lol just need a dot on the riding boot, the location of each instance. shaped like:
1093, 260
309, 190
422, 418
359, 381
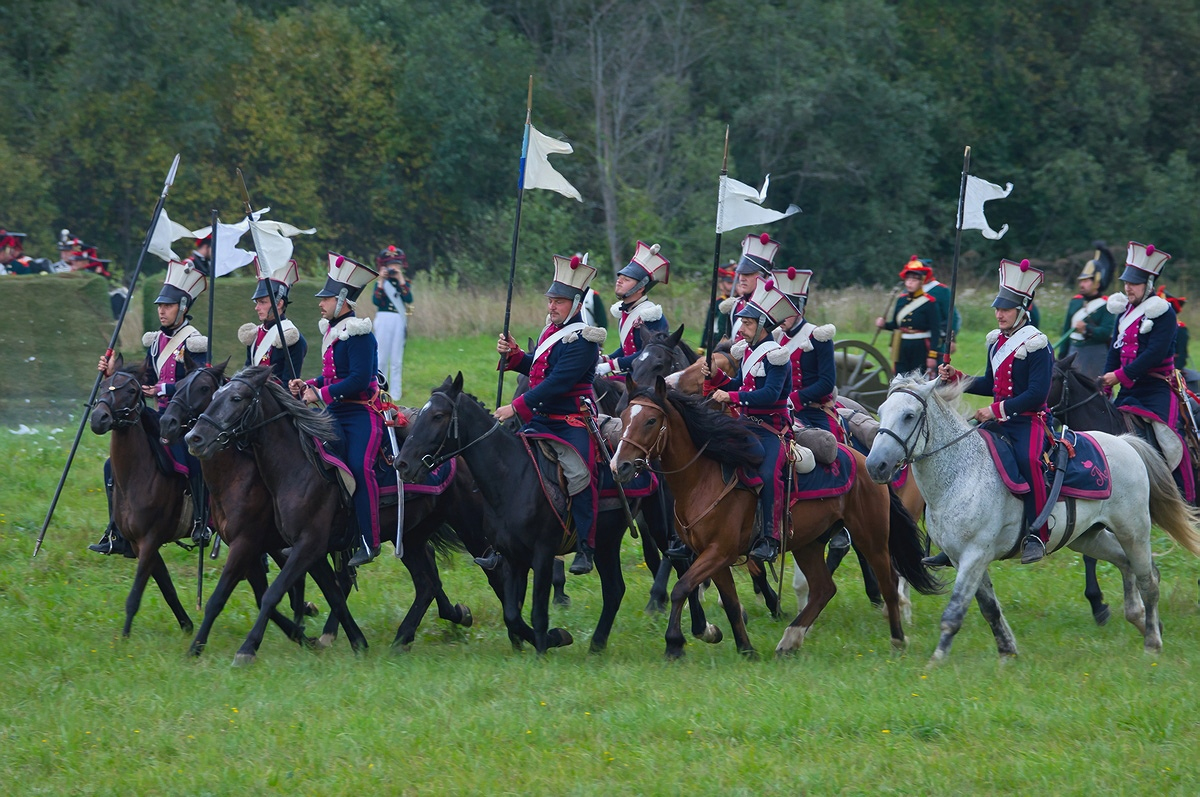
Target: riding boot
363, 555
111, 541
201, 530
1034, 549
583, 562
940, 559
765, 547
677, 550
490, 560
840, 539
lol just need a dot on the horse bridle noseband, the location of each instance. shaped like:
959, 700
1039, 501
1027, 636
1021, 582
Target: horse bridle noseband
126, 416
437, 458
659, 444
190, 416
922, 427
240, 429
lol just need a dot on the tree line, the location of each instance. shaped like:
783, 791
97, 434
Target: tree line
399, 121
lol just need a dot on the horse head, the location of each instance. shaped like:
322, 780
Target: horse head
903, 420
643, 430
1058, 379
120, 400
235, 406
690, 379
192, 396
433, 430
660, 356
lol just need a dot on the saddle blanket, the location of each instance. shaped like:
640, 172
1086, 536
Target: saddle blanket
901, 478
643, 485
175, 458
1087, 474
826, 481
434, 483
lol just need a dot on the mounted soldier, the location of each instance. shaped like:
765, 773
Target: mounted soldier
263, 341
1142, 360
637, 316
758, 254
760, 391
915, 322
348, 389
1088, 327
1019, 369
169, 358
561, 369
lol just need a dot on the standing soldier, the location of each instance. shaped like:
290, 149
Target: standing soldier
758, 253
348, 388
914, 319
637, 315
1087, 329
262, 340
760, 390
12, 257
560, 373
168, 359
1142, 359
1018, 376
392, 299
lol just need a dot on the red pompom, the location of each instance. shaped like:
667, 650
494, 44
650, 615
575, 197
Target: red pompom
791, 272
1025, 264
766, 239
575, 261
1149, 250
769, 285
338, 263
914, 257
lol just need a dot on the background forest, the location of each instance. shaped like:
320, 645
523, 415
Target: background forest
399, 121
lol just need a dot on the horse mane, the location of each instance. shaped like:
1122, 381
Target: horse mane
726, 437
309, 423
946, 393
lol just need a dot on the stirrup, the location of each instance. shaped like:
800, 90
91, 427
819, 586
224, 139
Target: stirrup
1033, 550
840, 539
490, 560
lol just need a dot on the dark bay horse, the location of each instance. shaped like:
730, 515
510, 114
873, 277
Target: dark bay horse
148, 495
716, 519
280, 432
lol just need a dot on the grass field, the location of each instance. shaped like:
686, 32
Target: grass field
1082, 711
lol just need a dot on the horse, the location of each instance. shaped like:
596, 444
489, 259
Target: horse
148, 494
281, 433
976, 520
693, 442
527, 529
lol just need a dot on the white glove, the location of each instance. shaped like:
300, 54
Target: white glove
604, 368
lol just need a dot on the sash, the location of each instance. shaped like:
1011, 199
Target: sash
1125, 322
764, 348
1083, 312
264, 346
910, 307
545, 345
178, 339
1004, 351
331, 334
393, 295
804, 336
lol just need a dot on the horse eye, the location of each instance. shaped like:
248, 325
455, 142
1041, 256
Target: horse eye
235, 397
908, 416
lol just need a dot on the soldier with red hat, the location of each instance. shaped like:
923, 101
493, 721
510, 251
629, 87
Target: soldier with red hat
13, 259
636, 315
265, 341
915, 322
393, 302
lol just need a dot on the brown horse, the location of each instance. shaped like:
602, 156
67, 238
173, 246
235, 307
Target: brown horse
716, 519
148, 495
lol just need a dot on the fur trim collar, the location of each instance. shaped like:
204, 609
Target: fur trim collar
594, 334
726, 306
738, 350
1117, 303
1038, 341
247, 334
352, 326
644, 311
824, 332
778, 356
149, 338
991, 336
290, 336
197, 344
1155, 306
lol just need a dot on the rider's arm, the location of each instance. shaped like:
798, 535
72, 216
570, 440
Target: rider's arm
570, 364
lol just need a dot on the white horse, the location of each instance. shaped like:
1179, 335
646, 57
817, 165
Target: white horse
976, 520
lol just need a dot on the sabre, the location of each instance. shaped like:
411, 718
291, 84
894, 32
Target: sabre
589, 415
388, 419
112, 344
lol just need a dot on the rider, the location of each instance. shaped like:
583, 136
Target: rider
560, 373
758, 253
1142, 356
914, 319
348, 388
263, 346
761, 390
636, 314
393, 301
1018, 376
167, 361
1087, 329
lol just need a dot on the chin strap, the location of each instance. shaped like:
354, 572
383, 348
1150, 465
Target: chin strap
341, 302
644, 282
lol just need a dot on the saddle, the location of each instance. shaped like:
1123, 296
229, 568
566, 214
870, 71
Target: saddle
1087, 473
1157, 434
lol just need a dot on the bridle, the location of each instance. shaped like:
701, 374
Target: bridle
241, 426
656, 448
181, 398
922, 427
437, 458
125, 416
1058, 410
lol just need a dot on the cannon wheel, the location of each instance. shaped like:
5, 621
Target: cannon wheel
863, 372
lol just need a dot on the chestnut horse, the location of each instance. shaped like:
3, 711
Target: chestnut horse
716, 518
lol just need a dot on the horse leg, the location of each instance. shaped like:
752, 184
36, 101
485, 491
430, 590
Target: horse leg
292, 629
702, 629
689, 580
989, 607
329, 631
967, 577
1091, 591
1133, 559
878, 561
240, 562
300, 607
811, 560
417, 559
539, 609
335, 593
723, 579
561, 598
762, 585
800, 587
515, 583
658, 590
870, 581
612, 587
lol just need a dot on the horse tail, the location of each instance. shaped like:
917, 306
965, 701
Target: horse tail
446, 541
1168, 510
908, 545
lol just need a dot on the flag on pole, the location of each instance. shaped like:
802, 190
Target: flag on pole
228, 258
980, 191
165, 233
273, 242
538, 173
740, 205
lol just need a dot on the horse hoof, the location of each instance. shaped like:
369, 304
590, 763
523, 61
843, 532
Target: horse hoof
1007, 657
402, 647
195, 650
307, 642
784, 653
243, 659
656, 606
597, 647
563, 600
561, 638
310, 609
466, 620
712, 635
674, 654
749, 654
899, 644
325, 641
1102, 614
186, 627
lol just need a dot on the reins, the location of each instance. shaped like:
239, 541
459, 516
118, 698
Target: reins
922, 427
124, 417
437, 458
239, 429
660, 443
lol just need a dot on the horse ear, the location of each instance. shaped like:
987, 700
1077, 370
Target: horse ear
676, 336
120, 363
1067, 361
458, 383
660, 387
219, 370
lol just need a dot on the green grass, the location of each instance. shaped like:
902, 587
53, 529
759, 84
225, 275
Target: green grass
1082, 711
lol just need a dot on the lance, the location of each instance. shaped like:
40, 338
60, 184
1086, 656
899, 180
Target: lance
712, 293
112, 344
512, 265
962, 201
287, 356
203, 497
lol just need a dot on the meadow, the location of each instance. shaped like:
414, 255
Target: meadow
1082, 711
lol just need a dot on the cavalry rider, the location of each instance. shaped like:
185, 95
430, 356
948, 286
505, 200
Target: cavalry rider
393, 300
168, 359
914, 319
348, 388
560, 372
637, 315
1142, 358
1020, 362
1087, 329
760, 390
262, 341
758, 254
